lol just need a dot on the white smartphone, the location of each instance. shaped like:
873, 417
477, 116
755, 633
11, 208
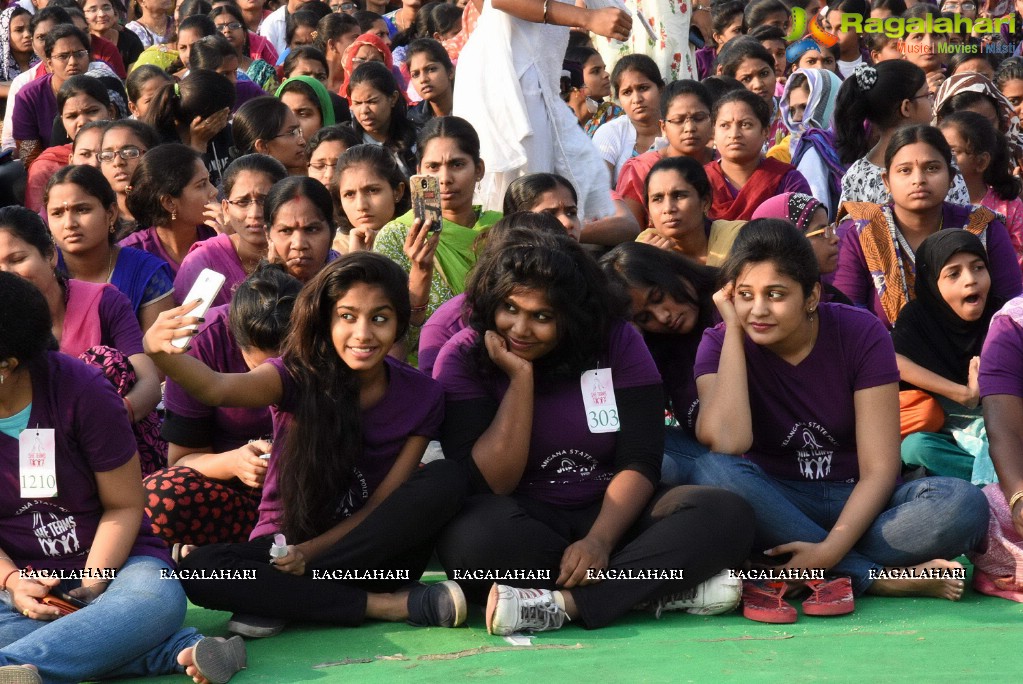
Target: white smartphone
206, 288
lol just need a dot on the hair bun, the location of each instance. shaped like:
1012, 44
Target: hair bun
866, 76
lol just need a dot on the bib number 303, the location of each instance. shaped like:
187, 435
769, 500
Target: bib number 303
599, 401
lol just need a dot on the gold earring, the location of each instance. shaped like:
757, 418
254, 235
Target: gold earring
174, 215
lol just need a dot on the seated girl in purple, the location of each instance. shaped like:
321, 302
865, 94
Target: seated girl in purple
670, 302
343, 482
92, 321
555, 407
170, 189
878, 243
86, 515
241, 245
214, 455
799, 405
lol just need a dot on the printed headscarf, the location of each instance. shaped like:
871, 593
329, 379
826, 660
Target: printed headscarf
349, 55
972, 82
796, 207
8, 64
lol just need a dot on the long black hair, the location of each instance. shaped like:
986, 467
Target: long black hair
633, 265
983, 137
325, 438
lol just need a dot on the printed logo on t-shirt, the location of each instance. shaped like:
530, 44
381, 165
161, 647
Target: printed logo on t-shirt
571, 465
56, 532
814, 449
353, 500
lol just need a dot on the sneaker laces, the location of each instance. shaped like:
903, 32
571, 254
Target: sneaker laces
685, 596
540, 613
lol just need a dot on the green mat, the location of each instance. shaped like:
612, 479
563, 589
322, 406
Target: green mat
884, 640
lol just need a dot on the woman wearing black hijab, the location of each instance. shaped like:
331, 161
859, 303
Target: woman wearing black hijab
938, 338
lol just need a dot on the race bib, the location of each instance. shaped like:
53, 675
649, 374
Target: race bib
599, 401
37, 464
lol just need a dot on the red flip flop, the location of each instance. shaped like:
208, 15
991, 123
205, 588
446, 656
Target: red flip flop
829, 597
765, 602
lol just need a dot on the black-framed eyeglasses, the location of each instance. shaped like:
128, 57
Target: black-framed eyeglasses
233, 26
125, 153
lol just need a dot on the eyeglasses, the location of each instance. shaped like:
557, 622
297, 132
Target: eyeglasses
324, 164
827, 232
233, 26
696, 119
64, 57
966, 6
928, 95
246, 202
104, 9
294, 131
343, 7
125, 153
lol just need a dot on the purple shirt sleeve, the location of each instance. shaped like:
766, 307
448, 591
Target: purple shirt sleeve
120, 327
1005, 272
794, 181
1001, 361
454, 368
851, 276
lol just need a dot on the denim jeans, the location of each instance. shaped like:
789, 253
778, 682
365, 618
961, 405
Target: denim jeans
933, 517
680, 454
132, 629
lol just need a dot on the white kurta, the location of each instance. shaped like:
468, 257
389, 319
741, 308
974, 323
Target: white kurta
512, 99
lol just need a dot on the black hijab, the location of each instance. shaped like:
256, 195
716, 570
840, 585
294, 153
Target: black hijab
928, 332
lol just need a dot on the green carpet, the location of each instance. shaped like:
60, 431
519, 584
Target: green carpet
884, 640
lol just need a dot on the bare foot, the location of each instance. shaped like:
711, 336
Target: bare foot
186, 658
933, 578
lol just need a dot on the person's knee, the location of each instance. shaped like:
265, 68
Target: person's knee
484, 520
717, 470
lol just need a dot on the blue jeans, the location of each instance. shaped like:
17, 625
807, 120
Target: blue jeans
933, 517
680, 453
132, 629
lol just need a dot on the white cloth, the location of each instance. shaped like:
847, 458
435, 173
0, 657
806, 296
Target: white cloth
816, 174
616, 142
19, 82
847, 68
27, 4
512, 99
274, 28
669, 21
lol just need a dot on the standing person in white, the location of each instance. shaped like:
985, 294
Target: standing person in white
508, 88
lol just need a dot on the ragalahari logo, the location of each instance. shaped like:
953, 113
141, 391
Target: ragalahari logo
817, 36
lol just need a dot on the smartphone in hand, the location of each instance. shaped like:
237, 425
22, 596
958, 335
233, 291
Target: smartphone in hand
426, 199
205, 288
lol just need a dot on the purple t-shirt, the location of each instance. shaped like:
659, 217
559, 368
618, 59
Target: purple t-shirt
568, 465
92, 435
35, 107
1001, 360
412, 406
856, 282
438, 329
804, 417
148, 241
117, 325
217, 253
193, 424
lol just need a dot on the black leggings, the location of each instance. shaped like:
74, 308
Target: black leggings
700, 530
398, 536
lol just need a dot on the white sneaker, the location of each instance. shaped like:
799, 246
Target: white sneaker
720, 594
511, 610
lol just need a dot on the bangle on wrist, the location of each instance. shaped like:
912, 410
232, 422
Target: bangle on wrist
419, 309
545, 10
3, 583
1015, 500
